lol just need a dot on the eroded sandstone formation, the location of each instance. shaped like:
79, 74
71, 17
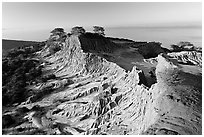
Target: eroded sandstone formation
90, 95
188, 57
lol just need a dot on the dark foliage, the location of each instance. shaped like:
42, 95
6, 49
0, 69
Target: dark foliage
58, 34
57, 30
7, 121
18, 71
10, 44
150, 50
99, 30
22, 110
78, 30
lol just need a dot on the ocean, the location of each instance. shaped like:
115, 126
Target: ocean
166, 35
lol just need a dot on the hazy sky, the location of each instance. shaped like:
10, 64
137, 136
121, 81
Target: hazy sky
20, 19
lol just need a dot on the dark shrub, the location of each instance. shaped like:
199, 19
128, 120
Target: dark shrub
7, 121
17, 72
150, 50
99, 30
77, 30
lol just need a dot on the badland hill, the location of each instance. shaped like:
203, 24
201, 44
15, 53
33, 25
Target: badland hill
84, 83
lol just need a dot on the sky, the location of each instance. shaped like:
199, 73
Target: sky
34, 21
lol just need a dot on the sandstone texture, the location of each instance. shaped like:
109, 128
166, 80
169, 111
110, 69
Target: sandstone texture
89, 95
188, 57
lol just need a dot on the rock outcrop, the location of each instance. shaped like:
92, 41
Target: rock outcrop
179, 100
183, 57
103, 98
188, 57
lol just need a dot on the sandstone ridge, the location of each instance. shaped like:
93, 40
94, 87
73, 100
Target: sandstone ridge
93, 96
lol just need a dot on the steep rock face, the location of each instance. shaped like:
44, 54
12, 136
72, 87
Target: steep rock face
96, 43
72, 60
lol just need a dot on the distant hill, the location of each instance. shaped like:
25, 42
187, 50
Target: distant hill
10, 44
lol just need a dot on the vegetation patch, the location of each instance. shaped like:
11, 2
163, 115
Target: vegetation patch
19, 69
